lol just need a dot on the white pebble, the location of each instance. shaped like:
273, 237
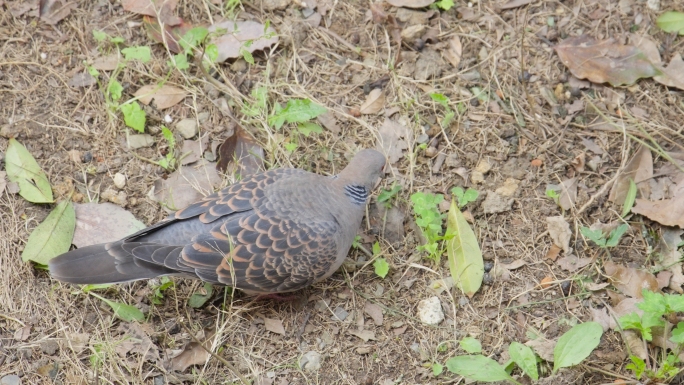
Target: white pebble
430, 311
119, 180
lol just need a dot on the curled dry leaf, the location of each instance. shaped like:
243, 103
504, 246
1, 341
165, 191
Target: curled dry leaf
375, 101
559, 230
274, 326
162, 8
640, 170
393, 140
671, 257
242, 149
193, 354
605, 61
137, 340
553, 253
164, 97
410, 3
242, 35
102, 223
630, 281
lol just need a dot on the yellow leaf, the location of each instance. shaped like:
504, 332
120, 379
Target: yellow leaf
465, 256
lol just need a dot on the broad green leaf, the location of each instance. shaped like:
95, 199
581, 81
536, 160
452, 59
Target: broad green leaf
134, 116
653, 303
376, 248
141, 53
445, 4
441, 99
671, 22
630, 198
211, 51
247, 56
297, 111
437, 369
193, 38
463, 251
198, 300
381, 267
307, 128
638, 366
386, 195
471, 345
100, 36
595, 236
168, 135
478, 368
674, 303
678, 334
524, 357
23, 169
52, 237
179, 61
125, 312
576, 345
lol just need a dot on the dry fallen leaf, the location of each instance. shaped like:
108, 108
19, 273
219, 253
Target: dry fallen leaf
172, 33
186, 185
673, 74
274, 326
106, 63
668, 212
630, 281
640, 170
238, 34
514, 4
605, 61
393, 140
164, 97
328, 121
568, 194
193, 354
102, 223
162, 8
454, 51
543, 348
365, 335
53, 11
545, 283
375, 312
410, 3
553, 253
374, 103
242, 149
571, 263
671, 257
137, 340
559, 230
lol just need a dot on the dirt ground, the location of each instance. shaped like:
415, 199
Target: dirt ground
520, 133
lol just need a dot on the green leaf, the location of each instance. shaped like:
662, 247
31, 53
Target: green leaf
168, 135
386, 195
524, 357
671, 22
471, 345
100, 36
180, 61
247, 56
630, 198
437, 369
125, 312
465, 258
193, 38
653, 303
478, 368
441, 99
678, 334
381, 267
674, 303
117, 40
376, 248
616, 234
465, 197
307, 128
23, 169
114, 89
576, 345
638, 366
595, 236
296, 111
212, 52
53, 236
633, 321
198, 300
141, 53
134, 116
445, 4
95, 286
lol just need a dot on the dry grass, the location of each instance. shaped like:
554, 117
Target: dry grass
51, 118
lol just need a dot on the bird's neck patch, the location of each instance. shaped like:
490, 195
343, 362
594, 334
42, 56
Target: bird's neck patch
357, 194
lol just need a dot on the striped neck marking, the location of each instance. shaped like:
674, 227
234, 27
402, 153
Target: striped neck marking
357, 194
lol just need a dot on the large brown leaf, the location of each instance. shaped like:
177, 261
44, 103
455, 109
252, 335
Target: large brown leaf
668, 212
155, 8
243, 150
604, 61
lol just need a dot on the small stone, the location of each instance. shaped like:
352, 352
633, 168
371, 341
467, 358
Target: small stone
311, 361
119, 180
240, 65
140, 141
49, 347
203, 116
364, 350
159, 380
187, 128
430, 311
12, 379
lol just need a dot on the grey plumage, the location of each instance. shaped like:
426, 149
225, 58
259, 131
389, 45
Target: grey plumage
274, 232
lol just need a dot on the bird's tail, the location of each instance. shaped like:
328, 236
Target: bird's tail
103, 263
